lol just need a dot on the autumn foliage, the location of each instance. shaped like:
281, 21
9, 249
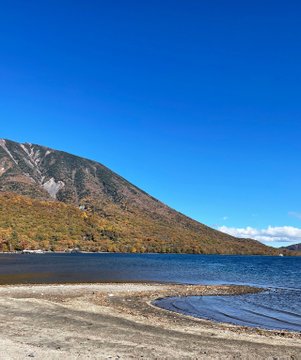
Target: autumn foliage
27, 223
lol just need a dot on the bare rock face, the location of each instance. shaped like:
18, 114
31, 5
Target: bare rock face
46, 174
41, 172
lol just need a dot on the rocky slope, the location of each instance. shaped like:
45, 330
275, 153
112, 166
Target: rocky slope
125, 218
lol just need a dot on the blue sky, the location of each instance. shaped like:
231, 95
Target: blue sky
196, 102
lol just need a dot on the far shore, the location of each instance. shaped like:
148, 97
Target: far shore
118, 321
291, 253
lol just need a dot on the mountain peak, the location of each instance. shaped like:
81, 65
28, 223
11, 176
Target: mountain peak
45, 174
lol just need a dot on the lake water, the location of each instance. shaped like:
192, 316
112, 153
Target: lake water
278, 307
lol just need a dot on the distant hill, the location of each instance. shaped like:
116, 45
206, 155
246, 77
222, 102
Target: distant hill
295, 247
55, 200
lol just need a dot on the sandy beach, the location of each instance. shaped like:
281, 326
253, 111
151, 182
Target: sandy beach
118, 321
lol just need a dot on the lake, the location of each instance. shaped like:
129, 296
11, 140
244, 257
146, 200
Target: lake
278, 307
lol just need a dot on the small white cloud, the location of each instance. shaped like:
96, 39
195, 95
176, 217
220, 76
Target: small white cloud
270, 234
225, 218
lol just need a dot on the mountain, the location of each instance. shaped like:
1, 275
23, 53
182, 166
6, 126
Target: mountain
295, 247
102, 211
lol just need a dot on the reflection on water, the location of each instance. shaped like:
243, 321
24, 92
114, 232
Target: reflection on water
196, 269
24, 278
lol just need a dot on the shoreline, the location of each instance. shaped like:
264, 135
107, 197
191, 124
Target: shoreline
118, 320
291, 253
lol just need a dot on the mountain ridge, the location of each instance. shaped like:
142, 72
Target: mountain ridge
294, 247
45, 174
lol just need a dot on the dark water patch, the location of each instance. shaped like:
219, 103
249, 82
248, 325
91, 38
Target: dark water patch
263, 271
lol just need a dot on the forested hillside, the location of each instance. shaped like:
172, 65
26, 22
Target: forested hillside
27, 223
54, 200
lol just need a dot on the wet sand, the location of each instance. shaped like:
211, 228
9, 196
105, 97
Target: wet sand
118, 321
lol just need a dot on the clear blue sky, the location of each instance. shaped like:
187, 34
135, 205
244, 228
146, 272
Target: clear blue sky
196, 102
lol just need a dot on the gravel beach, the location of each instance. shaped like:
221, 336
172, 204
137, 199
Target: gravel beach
118, 321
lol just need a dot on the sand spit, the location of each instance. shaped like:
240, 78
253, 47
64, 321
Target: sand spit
117, 321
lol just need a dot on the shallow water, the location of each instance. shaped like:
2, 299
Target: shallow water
279, 307
264, 310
